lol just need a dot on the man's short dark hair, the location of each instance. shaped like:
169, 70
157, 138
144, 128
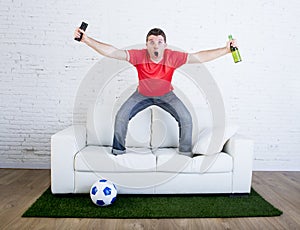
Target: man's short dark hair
156, 32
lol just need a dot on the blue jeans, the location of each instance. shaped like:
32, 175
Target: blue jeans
137, 102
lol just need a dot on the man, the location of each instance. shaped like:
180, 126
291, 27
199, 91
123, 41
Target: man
155, 66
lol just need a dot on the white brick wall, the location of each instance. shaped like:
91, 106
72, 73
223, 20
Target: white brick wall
42, 66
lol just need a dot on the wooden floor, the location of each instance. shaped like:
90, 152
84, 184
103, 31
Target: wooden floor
20, 188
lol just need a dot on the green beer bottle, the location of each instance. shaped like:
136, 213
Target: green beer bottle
234, 51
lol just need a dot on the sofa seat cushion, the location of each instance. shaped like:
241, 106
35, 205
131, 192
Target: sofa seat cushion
168, 160
100, 159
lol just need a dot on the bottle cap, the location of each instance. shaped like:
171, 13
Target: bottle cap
230, 37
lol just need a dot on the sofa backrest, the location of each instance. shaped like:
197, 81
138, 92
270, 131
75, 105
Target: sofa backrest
100, 127
165, 130
152, 127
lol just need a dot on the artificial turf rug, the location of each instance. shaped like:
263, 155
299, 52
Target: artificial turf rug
153, 206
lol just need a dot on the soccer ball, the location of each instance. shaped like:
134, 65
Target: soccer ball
103, 193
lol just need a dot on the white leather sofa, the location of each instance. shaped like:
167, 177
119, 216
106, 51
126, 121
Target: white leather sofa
81, 154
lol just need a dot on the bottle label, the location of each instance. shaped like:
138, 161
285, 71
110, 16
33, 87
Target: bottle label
236, 56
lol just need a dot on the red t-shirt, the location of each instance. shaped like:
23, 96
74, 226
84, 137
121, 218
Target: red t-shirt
155, 78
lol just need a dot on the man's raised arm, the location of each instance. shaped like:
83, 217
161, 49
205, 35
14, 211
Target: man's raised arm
102, 48
209, 55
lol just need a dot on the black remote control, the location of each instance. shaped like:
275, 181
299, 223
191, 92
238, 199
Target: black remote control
83, 27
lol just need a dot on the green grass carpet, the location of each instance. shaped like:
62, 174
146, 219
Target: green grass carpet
153, 206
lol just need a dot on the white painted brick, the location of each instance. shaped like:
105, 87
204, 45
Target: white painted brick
42, 67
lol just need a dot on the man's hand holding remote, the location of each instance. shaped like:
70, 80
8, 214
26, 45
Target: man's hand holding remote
79, 34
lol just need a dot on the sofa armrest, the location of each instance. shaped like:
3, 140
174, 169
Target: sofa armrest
64, 145
241, 149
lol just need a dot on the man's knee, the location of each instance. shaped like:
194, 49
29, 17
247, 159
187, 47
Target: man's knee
121, 116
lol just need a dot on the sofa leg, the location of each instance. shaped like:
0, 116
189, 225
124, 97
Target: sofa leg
237, 195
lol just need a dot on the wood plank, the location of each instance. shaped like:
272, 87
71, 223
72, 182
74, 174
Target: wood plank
20, 188
25, 188
283, 193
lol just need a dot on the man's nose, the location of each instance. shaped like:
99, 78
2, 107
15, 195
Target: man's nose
155, 45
